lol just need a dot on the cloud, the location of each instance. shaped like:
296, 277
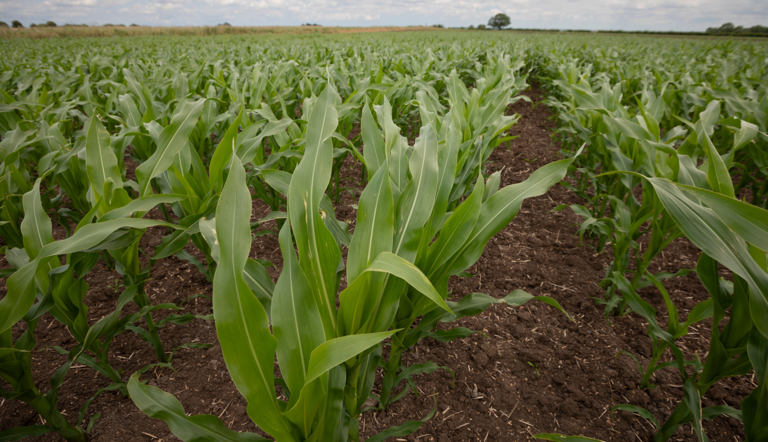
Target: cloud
563, 14
152, 8
83, 3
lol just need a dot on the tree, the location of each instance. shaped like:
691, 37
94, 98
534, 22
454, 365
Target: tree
730, 29
481, 27
50, 24
3, 24
499, 21
16, 24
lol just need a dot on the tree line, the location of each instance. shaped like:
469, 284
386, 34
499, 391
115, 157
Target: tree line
730, 29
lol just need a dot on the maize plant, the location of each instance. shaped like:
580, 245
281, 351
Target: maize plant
687, 178
729, 232
725, 230
663, 140
40, 275
60, 289
624, 142
395, 274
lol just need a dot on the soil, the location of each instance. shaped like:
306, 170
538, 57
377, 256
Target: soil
531, 371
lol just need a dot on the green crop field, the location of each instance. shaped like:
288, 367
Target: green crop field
369, 158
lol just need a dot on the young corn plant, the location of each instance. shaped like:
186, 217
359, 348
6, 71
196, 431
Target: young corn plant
62, 288
620, 142
328, 354
311, 356
442, 243
58, 289
732, 233
107, 194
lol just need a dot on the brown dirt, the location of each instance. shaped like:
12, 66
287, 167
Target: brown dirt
535, 371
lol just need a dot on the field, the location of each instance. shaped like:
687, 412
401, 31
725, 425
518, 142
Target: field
187, 31
433, 236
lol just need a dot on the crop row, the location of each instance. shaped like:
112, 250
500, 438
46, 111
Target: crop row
677, 146
658, 149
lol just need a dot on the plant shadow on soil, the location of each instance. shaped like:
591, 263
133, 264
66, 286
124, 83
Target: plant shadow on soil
531, 371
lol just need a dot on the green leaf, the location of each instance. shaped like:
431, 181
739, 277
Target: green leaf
754, 406
21, 285
241, 321
492, 186
338, 350
223, 154
645, 414
520, 297
296, 321
586, 99
747, 132
692, 400
375, 225
456, 229
717, 173
172, 139
171, 244
629, 129
746, 220
36, 225
319, 255
560, 438
447, 156
450, 335
143, 204
374, 234
277, 179
259, 281
415, 369
374, 152
499, 209
404, 429
249, 148
100, 159
710, 413
158, 404
390, 263
19, 433
705, 230
333, 406
415, 204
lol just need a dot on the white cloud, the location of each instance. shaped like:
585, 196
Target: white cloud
571, 14
152, 8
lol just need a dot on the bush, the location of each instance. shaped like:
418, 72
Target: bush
16, 24
3, 24
482, 27
730, 29
50, 24
471, 27
499, 21
134, 25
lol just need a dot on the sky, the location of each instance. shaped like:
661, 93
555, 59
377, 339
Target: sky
658, 15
